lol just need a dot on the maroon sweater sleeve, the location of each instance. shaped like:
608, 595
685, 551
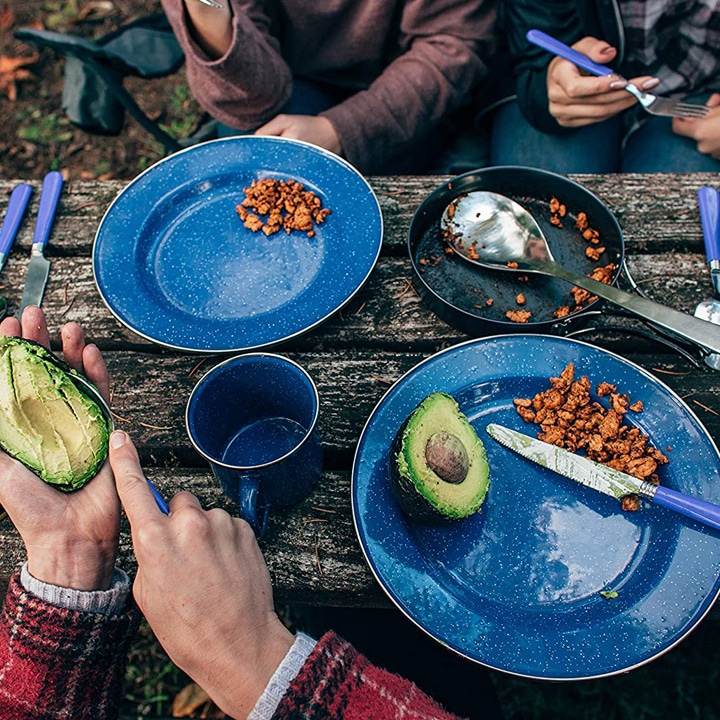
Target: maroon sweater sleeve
60, 664
337, 682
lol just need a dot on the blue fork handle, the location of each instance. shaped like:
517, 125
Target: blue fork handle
50, 194
546, 42
17, 204
691, 507
709, 204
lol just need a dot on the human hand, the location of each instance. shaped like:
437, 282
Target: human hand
310, 128
576, 99
71, 538
705, 131
203, 587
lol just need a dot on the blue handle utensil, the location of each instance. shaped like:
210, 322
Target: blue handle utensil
17, 205
602, 478
556, 47
159, 499
39, 268
709, 204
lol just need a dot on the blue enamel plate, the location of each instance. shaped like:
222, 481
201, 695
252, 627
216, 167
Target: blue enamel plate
175, 264
551, 580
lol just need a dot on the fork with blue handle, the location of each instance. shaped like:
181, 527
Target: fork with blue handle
668, 107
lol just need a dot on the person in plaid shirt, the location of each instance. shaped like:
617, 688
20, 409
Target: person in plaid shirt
565, 121
201, 583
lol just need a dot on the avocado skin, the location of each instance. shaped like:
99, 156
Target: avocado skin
403, 487
90, 416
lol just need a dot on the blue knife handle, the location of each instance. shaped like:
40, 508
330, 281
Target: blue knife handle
51, 189
17, 204
546, 42
709, 203
691, 507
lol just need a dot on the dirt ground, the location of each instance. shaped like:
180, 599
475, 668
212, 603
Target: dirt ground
37, 136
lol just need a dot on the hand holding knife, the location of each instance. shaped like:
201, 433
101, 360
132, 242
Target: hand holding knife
39, 267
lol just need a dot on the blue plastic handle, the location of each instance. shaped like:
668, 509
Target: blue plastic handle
691, 507
159, 499
17, 204
546, 42
51, 189
709, 203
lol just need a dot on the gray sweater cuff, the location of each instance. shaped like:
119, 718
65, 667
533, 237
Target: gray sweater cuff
283, 676
103, 602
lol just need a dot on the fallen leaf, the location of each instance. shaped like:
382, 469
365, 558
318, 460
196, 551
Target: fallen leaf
12, 71
7, 18
189, 699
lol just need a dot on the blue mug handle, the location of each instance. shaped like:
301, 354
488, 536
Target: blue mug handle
253, 510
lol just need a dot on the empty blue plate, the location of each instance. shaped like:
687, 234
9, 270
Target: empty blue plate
551, 580
174, 263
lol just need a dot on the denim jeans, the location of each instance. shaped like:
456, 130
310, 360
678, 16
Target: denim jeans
630, 142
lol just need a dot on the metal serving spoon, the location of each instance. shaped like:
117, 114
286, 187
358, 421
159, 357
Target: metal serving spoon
491, 230
709, 204
11, 223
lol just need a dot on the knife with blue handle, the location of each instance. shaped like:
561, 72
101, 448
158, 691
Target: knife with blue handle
603, 478
709, 204
556, 47
17, 204
39, 268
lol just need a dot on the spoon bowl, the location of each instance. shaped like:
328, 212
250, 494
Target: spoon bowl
493, 231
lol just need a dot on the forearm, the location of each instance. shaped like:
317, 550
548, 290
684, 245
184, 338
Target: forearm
57, 662
337, 682
407, 101
233, 64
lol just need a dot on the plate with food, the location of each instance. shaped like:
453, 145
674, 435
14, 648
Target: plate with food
582, 233
508, 563
237, 244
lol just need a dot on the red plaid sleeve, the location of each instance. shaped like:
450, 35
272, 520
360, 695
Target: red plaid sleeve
57, 663
337, 681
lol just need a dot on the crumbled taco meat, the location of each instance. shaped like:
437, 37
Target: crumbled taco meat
272, 205
518, 316
570, 418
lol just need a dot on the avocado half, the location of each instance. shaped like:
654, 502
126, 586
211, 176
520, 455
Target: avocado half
46, 421
438, 466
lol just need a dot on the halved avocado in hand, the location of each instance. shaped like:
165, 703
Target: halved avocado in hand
46, 421
438, 466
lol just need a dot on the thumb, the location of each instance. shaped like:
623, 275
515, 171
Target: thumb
713, 100
597, 50
135, 494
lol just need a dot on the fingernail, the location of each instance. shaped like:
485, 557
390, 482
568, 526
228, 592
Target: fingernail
648, 84
618, 84
117, 439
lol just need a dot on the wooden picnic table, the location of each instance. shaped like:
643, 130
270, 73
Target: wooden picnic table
312, 550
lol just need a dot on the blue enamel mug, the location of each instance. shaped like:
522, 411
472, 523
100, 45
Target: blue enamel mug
254, 419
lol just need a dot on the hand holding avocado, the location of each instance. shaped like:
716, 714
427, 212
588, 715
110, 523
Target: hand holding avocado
71, 538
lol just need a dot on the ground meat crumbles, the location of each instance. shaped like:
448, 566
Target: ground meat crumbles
271, 205
570, 418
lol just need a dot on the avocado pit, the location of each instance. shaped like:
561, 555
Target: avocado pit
446, 456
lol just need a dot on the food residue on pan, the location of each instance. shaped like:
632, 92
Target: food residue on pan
581, 298
570, 418
271, 205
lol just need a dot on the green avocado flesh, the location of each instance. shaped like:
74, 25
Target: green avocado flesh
438, 466
46, 421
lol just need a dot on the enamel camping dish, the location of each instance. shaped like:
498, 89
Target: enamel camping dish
176, 263
549, 580
477, 300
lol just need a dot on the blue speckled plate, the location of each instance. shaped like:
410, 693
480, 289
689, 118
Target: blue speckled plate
174, 263
518, 586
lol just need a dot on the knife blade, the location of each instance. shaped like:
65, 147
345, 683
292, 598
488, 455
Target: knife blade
39, 267
602, 478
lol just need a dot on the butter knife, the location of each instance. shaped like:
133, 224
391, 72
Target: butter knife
603, 478
39, 268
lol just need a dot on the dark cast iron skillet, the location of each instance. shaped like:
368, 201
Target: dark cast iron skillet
457, 291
